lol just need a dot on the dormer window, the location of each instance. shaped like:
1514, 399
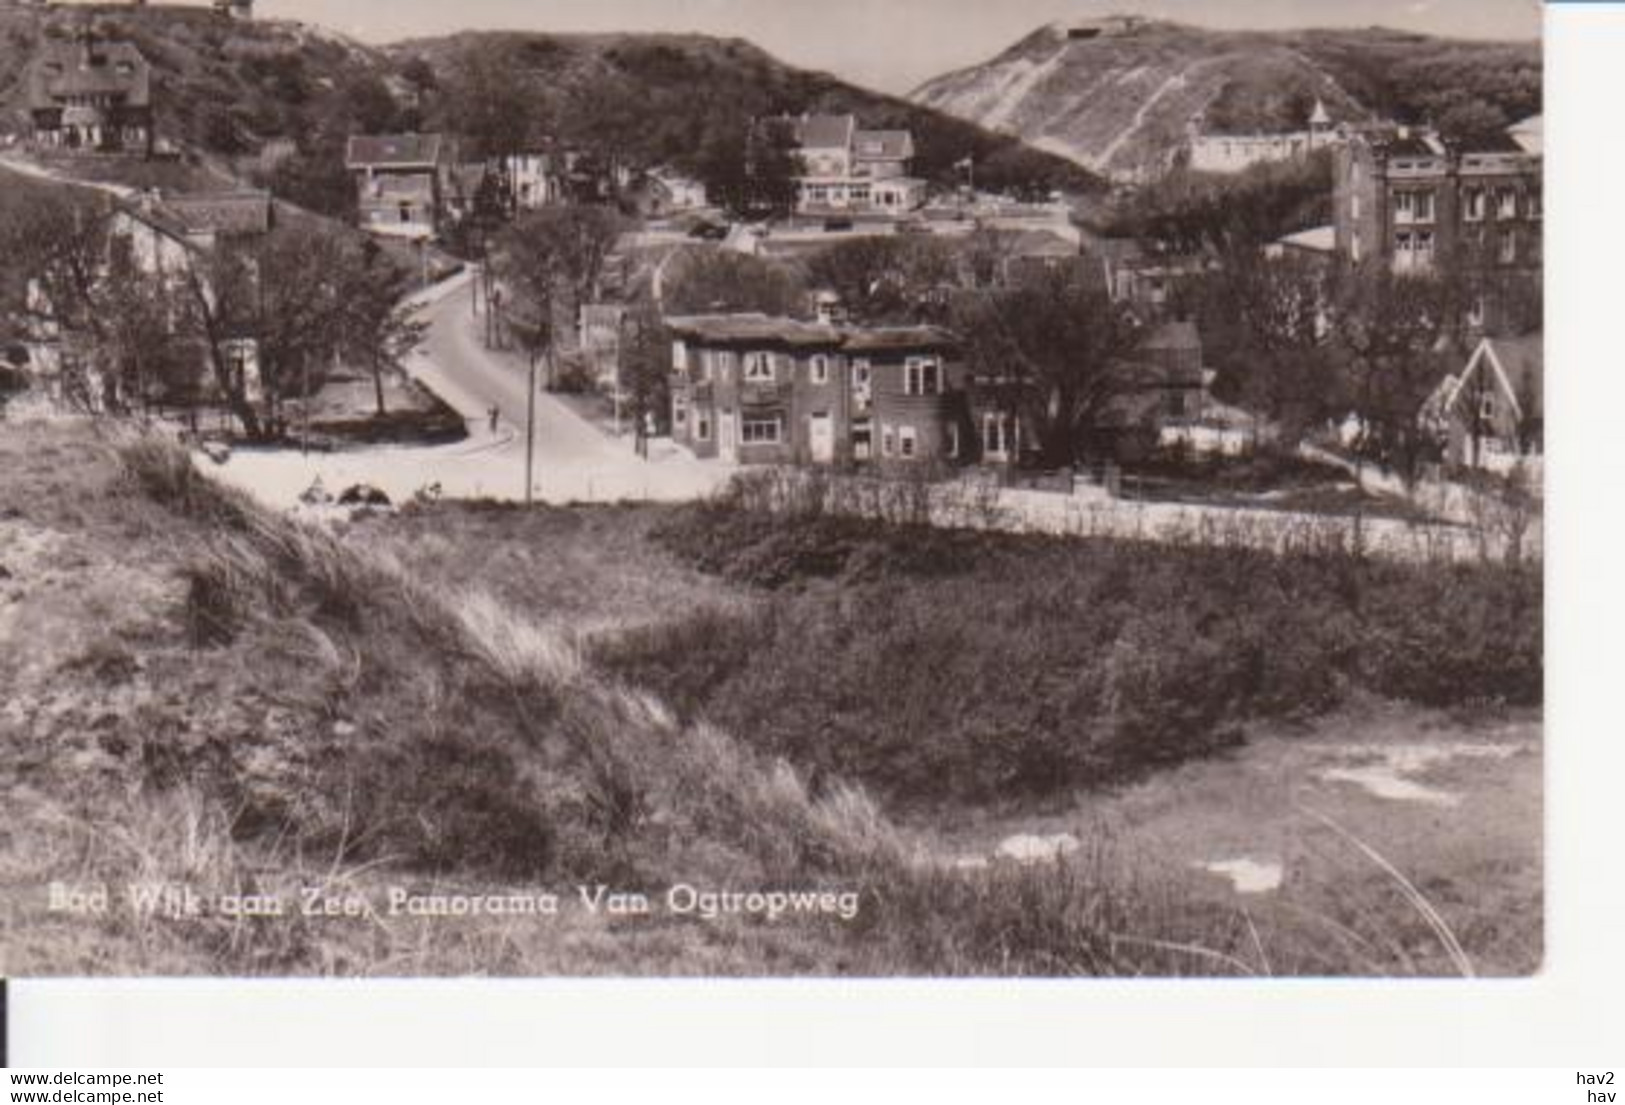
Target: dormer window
758, 368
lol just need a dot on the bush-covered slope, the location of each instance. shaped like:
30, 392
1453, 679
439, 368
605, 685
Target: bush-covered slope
664, 99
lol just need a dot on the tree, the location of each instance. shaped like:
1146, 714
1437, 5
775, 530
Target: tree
1266, 327
552, 262
85, 293
750, 171
709, 281
903, 279
645, 363
1055, 353
1394, 331
379, 329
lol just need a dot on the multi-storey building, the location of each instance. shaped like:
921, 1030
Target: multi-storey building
752, 389
403, 180
848, 170
1406, 199
87, 96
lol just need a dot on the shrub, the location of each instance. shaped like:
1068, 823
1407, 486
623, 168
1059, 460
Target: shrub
979, 666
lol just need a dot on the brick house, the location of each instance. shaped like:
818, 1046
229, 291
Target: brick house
1407, 199
91, 97
403, 182
752, 389
848, 170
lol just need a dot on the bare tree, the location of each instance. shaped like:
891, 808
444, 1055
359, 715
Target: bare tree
1055, 353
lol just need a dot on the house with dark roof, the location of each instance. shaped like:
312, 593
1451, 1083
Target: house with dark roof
1492, 413
90, 97
848, 170
403, 182
754, 389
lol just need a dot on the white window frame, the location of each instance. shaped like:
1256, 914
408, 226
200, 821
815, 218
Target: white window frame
679, 356
863, 427
908, 443
702, 426
1507, 248
996, 428
888, 441
953, 439
915, 376
1474, 205
1506, 203
759, 368
751, 431
818, 368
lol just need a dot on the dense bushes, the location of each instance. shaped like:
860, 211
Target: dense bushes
937, 665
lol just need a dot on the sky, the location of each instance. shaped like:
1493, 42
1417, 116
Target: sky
891, 45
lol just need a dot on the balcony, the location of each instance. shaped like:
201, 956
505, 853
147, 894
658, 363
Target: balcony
762, 394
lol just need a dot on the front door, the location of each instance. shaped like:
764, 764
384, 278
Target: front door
821, 438
728, 437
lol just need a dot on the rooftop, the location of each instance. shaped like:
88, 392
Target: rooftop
756, 327
897, 144
399, 151
753, 327
62, 70
825, 131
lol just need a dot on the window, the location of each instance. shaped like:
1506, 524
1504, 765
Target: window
888, 442
1354, 206
1486, 407
1475, 313
679, 357
907, 442
1531, 201
724, 364
953, 439
818, 369
997, 438
702, 427
679, 410
1413, 207
862, 379
1413, 250
1354, 246
1506, 203
758, 368
761, 431
863, 440
1509, 246
1473, 205
922, 376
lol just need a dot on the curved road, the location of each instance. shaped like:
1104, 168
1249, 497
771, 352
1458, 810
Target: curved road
575, 460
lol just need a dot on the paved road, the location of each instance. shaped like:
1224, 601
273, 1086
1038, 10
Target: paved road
575, 461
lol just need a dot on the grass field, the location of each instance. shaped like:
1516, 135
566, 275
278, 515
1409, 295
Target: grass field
201, 694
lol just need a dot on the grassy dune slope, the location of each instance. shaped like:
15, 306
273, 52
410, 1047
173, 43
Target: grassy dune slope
199, 692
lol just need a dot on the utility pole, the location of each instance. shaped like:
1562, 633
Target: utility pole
304, 433
530, 431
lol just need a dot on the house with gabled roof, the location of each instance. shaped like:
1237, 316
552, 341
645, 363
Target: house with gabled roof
88, 96
403, 182
1492, 413
846, 169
